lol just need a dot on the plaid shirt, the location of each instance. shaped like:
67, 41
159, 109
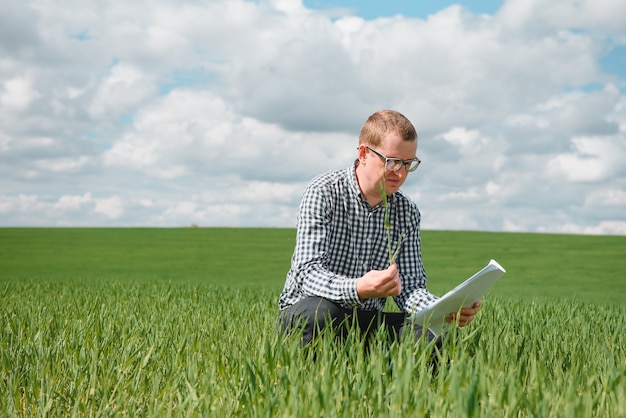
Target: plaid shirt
340, 237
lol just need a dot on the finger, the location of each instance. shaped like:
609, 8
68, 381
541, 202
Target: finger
461, 320
469, 311
395, 286
466, 319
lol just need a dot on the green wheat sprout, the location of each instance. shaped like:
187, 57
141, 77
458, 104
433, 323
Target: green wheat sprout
393, 254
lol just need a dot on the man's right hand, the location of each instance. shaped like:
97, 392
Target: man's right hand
379, 283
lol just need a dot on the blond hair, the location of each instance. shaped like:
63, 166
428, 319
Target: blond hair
384, 122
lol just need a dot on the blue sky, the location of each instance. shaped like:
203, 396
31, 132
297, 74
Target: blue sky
614, 61
375, 9
218, 113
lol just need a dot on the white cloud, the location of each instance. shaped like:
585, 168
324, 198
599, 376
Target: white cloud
73, 202
588, 14
17, 94
186, 209
121, 91
604, 228
110, 207
189, 133
70, 164
218, 113
468, 141
594, 159
608, 197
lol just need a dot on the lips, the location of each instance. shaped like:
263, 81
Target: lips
393, 183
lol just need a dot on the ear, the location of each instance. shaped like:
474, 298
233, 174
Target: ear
362, 153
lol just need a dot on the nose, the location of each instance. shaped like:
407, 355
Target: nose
400, 173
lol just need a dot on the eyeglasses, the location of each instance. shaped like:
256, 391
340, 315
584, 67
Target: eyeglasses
395, 164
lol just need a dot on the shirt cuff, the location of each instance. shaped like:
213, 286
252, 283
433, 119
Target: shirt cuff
351, 295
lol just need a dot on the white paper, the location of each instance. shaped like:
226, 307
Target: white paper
462, 296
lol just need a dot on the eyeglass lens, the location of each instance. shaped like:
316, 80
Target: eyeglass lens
395, 165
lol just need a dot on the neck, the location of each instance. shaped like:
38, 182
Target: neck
369, 191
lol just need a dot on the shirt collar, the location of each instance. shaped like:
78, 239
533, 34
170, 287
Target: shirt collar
354, 186
352, 182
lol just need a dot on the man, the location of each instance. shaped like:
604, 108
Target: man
340, 270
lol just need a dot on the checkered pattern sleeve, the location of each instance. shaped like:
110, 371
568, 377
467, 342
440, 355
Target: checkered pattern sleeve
311, 259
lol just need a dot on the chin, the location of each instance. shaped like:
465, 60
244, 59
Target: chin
392, 188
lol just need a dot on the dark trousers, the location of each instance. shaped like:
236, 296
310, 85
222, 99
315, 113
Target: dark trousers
313, 314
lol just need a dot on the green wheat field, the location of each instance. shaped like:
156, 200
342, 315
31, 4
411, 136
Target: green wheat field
181, 322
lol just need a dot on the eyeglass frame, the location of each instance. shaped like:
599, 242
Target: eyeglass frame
405, 163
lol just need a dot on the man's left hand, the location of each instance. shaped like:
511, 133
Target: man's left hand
465, 315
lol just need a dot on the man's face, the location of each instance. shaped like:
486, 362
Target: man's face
392, 146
